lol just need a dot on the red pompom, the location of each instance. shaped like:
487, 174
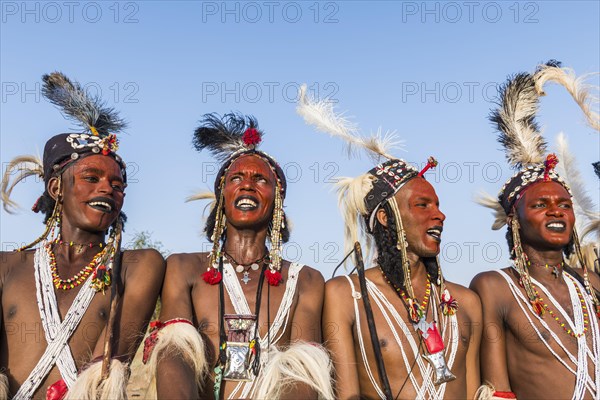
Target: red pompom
212, 276
549, 165
251, 137
274, 278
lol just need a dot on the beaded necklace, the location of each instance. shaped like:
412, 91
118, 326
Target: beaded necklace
79, 247
78, 278
586, 318
416, 311
556, 269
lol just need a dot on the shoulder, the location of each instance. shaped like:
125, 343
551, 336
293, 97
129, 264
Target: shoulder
14, 259
486, 281
339, 287
467, 298
310, 276
187, 261
145, 256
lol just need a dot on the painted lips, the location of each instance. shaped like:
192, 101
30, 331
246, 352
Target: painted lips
246, 203
103, 204
556, 226
436, 232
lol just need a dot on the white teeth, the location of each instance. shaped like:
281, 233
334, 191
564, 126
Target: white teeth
246, 202
101, 204
435, 232
556, 225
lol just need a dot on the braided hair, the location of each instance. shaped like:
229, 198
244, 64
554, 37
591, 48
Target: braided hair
389, 257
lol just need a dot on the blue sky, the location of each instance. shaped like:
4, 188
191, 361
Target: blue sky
428, 70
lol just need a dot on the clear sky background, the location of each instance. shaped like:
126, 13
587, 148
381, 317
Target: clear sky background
428, 70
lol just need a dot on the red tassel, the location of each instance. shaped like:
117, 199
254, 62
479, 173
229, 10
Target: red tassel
274, 278
57, 391
212, 276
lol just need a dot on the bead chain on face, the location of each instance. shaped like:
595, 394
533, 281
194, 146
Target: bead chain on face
416, 311
78, 278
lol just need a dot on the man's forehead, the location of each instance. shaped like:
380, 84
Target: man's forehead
97, 163
418, 187
250, 163
546, 189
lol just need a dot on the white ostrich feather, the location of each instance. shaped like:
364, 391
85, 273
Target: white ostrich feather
322, 116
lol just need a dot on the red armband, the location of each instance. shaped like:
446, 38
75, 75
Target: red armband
505, 395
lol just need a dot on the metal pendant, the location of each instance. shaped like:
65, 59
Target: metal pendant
239, 330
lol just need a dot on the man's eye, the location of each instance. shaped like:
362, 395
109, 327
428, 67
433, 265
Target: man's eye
566, 205
118, 188
90, 178
539, 205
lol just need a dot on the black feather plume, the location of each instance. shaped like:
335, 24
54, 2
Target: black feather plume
77, 104
515, 121
222, 136
597, 168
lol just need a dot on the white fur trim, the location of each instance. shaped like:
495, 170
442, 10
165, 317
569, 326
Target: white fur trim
3, 387
180, 339
302, 363
89, 385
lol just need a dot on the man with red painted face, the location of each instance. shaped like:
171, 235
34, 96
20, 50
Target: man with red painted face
58, 299
425, 344
541, 332
398, 329
240, 322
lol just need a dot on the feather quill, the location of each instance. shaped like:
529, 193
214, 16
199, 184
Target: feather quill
492, 202
514, 120
78, 105
579, 90
322, 116
21, 168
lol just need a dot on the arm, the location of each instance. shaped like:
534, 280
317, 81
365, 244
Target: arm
142, 277
338, 325
494, 370
175, 378
306, 322
472, 358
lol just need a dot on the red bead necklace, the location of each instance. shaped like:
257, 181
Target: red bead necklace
416, 311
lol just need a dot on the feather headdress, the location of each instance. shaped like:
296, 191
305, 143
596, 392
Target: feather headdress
19, 168
520, 136
225, 136
229, 138
359, 198
514, 120
322, 115
80, 106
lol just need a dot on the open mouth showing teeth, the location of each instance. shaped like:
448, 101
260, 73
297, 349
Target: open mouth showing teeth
101, 206
435, 233
246, 204
556, 226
